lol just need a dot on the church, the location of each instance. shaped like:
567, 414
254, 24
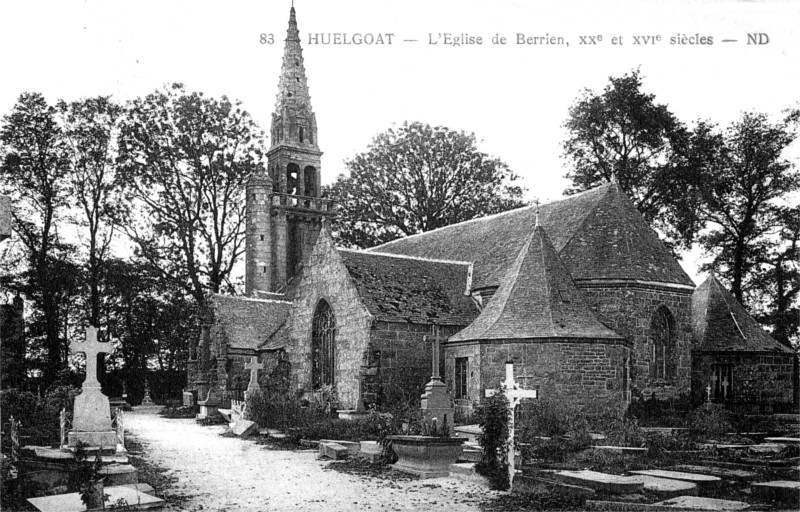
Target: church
580, 294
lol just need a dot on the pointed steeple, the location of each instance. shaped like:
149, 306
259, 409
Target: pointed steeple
536, 300
292, 86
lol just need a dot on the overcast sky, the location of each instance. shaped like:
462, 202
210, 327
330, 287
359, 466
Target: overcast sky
513, 97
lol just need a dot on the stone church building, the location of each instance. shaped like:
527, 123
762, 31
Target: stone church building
579, 293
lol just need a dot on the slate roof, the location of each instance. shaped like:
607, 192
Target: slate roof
721, 324
411, 289
246, 322
536, 299
598, 234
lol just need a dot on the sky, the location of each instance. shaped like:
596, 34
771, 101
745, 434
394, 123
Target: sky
514, 97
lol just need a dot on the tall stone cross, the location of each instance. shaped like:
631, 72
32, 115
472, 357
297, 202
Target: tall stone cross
514, 394
436, 402
91, 347
253, 366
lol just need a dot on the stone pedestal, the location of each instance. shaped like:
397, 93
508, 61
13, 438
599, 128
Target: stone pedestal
437, 403
91, 421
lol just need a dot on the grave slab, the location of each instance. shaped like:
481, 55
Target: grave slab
470, 454
701, 480
784, 491
370, 450
625, 450
353, 448
603, 481
226, 414
730, 474
527, 484
697, 503
766, 448
783, 440
119, 474
245, 428
71, 502
665, 488
332, 451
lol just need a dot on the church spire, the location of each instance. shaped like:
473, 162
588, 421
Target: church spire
292, 86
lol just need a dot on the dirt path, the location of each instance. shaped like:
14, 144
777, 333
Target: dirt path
222, 473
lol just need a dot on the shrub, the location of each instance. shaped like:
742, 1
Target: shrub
651, 411
710, 421
658, 443
39, 416
621, 431
494, 417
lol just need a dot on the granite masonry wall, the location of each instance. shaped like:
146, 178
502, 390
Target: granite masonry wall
325, 277
629, 309
759, 379
401, 357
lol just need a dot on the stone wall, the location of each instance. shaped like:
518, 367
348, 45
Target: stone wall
758, 378
325, 277
629, 309
404, 358
582, 372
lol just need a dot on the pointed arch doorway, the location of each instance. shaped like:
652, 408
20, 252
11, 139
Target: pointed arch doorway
323, 345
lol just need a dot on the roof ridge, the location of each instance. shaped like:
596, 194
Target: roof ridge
402, 256
486, 217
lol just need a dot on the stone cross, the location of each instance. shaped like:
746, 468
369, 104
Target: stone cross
514, 394
253, 366
91, 347
725, 384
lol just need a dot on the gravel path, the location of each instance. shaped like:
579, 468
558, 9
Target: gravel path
230, 474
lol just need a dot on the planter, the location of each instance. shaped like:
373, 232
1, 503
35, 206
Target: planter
427, 457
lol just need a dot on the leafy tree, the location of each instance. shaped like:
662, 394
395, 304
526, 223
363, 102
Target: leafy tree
738, 199
185, 159
416, 178
624, 134
35, 166
89, 127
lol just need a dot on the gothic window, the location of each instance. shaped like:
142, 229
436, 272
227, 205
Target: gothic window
662, 336
323, 345
461, 376
301, 134
292, 172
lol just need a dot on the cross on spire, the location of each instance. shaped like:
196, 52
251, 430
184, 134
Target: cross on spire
91, 347
536, 202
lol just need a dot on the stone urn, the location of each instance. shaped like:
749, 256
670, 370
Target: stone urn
426, 456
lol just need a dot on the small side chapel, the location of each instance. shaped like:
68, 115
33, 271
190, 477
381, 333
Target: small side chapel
579, 293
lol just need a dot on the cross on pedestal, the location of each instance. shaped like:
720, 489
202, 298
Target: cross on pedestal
514, 394
253, 366
708, 393
91, 347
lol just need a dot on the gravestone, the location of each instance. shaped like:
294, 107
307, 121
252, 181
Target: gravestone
253, 366
91, 417
514, 394
147, 401
436, 402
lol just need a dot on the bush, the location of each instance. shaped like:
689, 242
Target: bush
39, 416
621, 431
658, 443
710, 422
653, 412
494, 417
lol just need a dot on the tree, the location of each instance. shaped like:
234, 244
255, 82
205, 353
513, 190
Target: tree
738, 198
89, 127
35, 166
185, 160
624, 134
416, 178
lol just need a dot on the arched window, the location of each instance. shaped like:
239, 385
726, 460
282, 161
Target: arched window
323, 346
301, 134
292, 172
662, 335
310, 177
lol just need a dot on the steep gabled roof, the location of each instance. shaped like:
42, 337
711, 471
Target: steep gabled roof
720, 323
598, 234
245, 322
536, 299
408, 289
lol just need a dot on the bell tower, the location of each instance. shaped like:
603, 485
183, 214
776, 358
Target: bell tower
295, 209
